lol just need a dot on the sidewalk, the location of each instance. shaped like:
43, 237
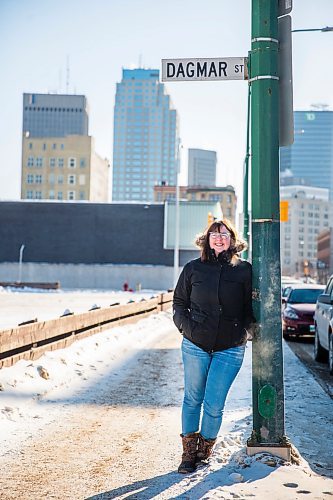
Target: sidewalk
89, 366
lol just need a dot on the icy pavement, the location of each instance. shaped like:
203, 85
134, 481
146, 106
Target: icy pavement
140, 367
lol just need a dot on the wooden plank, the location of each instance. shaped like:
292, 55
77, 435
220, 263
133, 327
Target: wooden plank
36, 352
165, 301
27, 284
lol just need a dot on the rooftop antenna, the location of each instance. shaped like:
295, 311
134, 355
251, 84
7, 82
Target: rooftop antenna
67, 75
60, 81
320, 106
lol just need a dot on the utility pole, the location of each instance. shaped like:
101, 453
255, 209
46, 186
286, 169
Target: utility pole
268, 391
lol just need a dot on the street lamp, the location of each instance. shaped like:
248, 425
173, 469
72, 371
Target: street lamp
20, 263
176, 247
323, 30
246, 215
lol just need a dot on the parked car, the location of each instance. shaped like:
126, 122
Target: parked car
323, 344
298, 309
286, 283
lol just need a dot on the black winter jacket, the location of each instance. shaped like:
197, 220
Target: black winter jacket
212, 303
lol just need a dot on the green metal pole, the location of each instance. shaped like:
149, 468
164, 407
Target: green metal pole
268, 390
246, 234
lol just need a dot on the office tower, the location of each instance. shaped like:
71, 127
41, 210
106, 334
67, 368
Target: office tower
145, 146
308, 216
54, 115
63, 168
201, 167
311, 156
59, 160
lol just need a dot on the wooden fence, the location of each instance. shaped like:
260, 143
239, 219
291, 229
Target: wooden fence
31, 340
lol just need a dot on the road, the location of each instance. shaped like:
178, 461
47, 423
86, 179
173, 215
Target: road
303, 348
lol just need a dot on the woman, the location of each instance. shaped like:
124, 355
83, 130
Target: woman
212, 308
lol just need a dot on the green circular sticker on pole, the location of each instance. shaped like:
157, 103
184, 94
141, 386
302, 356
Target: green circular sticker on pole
267, 401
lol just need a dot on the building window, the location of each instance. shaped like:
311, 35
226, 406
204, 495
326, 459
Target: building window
60, 179
72, 162
51, 194
30, 162
82, 162
60, 196
54, 146
30, 195
52, 162
71, 179
82, 180
82, 195
30, 147
60, 162
62, 146
71, 195
30, 179
38, 179
39, 161
38, 195
51, 178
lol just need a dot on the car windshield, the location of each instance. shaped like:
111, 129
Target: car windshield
304, 296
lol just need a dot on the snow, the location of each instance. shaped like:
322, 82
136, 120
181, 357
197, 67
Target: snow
37, 394
26, 304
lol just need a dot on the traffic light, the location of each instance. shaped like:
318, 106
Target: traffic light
306, 268
210, 218
284, 205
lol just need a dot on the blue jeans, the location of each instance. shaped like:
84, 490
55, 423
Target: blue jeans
207, 380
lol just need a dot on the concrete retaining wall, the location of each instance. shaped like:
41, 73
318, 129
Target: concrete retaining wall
91, 276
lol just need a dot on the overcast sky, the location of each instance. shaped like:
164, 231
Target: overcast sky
100, 38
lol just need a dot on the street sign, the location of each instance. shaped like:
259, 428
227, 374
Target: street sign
286, 121
284, 7
189, 70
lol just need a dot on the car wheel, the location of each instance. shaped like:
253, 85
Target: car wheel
330, 353
318, 351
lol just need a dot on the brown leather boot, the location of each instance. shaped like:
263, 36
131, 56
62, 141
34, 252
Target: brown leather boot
190, 443
205, 448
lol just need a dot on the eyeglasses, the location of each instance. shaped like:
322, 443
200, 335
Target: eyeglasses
225, 236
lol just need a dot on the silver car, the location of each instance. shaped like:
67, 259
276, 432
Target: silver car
323, 344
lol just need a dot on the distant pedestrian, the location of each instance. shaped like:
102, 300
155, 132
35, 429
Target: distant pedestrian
212, 308
125, 286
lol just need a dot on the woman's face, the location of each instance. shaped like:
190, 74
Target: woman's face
219, 240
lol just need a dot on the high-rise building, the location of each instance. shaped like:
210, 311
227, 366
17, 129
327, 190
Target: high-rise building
54, 115
58, 156
145, 146
225, 195
311, 156
201, 167
308, 215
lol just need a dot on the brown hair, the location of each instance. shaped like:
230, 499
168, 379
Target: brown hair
237, 245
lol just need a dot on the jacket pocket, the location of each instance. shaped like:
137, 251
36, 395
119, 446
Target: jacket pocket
232, 331
198, 316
